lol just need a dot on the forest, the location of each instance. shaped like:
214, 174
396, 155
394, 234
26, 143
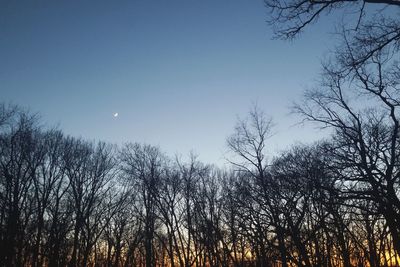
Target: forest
65, 201
68, 201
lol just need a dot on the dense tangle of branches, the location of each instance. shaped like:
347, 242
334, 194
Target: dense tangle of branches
69, 202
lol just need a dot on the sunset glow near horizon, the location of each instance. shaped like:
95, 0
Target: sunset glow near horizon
174, 74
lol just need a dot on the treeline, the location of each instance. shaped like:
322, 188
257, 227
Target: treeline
65, 201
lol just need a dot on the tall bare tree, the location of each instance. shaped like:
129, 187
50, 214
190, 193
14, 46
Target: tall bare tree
365, 142
143, 168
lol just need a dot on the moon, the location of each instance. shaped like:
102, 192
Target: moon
115, 114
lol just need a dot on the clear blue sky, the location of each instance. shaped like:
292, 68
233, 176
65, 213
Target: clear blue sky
179, 73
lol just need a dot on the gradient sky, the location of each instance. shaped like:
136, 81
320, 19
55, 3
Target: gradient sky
179, 73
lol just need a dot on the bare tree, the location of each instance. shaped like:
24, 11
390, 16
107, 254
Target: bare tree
143, 167
290, 18
248, 143
46, 177
19, 159
89, 170
365, 145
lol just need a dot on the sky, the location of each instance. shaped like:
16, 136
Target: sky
179, 73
